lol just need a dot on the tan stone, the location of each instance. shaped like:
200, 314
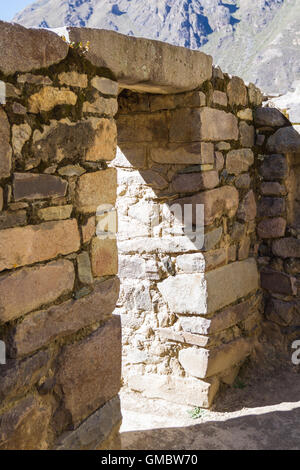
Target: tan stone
247, 208
255, 95
105, 86
190, 153
55, 213
48, 98
219, 161
20, 135
214, 259
203, 363
94, 189
45, 326
237, 92
89, 372
244, 248
104, 145
245, 114
188, 390
104, 257
71, 170
1, 199
107, 106
217, 202
84, 268
89, 229
229, 283
27, 289
168, 69
219, 98
23, 50
238, 161
5, 148
247, 134
25, 425
27, 245
75, 79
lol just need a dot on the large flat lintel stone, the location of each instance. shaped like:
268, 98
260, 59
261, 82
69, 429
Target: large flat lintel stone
143, 64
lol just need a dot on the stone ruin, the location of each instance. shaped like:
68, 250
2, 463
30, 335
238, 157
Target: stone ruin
187, 134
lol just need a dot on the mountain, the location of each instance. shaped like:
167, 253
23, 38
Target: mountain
258, 40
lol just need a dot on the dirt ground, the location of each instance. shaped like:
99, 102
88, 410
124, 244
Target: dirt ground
261, 411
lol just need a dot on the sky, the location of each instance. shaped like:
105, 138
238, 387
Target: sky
8, 8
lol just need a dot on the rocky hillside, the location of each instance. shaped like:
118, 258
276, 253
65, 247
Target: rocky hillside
256, 39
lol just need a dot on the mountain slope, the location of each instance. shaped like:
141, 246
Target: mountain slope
256, 39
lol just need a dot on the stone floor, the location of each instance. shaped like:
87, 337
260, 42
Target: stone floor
262, 411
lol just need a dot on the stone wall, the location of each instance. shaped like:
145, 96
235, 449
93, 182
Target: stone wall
58, 285
279, 222
190, 312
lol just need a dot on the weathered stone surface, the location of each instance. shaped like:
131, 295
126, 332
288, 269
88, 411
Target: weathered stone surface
212, 238
167, 68
278, 282
34, 79
183, 337
247, 208
94, 189
247, 134
189, 390
105, 86
40, 328
219, 161
24, 49
48, 98
1, 199
189, 125
5, 148
89, 372
229, 283
203, 363
191, 263
104, 257
104, 145
192, 182
18, 108
55, 213
27, 245
280, 312
255, 95
238, 231
274, 167
20, 135
243, 181
12, 219
95, 430
71, 170
184, 293
217, 202
34, 186
286, 248
197, 152
143, 128
244, 248
237, 92
75, 79
285, 140
107, 106
25, 426
29, 288
238, 161
273, 189
154, 179
20, 376
219, 98
269, 117
271, 228
227, 318
214, 259
88, 230
271, 206
245, 114
195, 99
84, 268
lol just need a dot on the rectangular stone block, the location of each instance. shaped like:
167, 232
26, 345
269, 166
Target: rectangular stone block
202, 363
189, 153
104, 144
271, 228
84, 268
184, 337
89, 372
185, 293
229, 283
55, 213
95, 189
12, 219
271, 206
32, 186
193, 182
105, 86
104, 257
27, 245
40, 328
280, 283
142, 127
286, 247
274, 167
27, 289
